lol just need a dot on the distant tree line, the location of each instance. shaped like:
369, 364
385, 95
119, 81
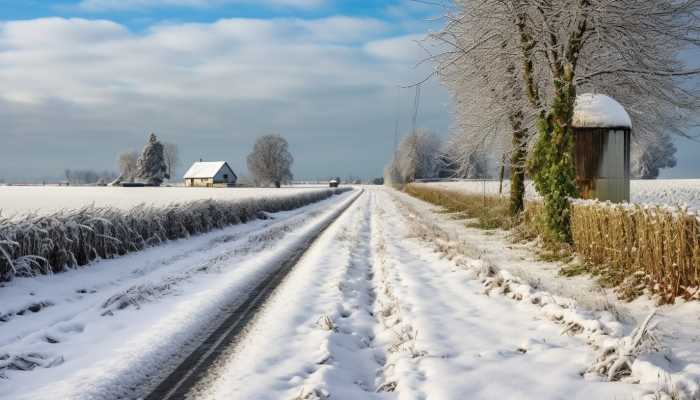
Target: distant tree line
88, 176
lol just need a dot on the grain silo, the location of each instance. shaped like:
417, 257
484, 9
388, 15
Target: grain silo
602, 135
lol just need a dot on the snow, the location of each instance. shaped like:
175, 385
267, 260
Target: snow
394, 301
598, 110
122, 320
48, 199
393, 318
672, 192
204, 169
581, 300
666, 192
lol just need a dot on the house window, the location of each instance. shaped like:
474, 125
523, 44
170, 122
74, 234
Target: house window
225, 177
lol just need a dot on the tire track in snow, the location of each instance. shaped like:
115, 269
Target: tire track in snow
193, 373
148, 284
352, 363
395, 332
480, 343
315, 337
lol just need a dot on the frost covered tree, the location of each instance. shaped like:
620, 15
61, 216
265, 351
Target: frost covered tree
171, 155
87, 176
391, 174
649, 158
418, 156
492, 114
127, 165
270, 161
151, 167
628, 49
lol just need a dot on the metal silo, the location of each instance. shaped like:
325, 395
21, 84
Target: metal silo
602, 135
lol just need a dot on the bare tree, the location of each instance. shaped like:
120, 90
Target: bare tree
127, 165
492, 113
418, 156
392, 176
625, 48
171, 156
270, 161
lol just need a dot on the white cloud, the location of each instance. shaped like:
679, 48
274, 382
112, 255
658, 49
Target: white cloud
327, 84
406, 49
122, 5
86, 61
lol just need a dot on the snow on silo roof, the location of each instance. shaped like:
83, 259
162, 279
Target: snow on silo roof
599, 111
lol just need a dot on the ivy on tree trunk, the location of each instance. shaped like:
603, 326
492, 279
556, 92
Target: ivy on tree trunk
552, 162
518, 159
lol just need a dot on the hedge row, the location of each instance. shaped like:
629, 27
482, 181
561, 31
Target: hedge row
43, 244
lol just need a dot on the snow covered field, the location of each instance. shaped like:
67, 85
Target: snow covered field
95, 333
393, 301
47, 199
673, 192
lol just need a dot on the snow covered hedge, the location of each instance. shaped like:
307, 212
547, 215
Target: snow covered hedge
46, 244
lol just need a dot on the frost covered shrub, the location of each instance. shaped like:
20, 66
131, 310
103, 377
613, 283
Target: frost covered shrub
637, 247
38, 244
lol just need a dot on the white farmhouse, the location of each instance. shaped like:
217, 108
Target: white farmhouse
210, 174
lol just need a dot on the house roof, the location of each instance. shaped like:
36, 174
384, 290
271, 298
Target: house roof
205, 169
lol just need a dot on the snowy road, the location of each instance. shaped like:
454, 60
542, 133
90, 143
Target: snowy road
374, 309
372, 312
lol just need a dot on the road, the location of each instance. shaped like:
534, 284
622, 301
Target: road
198, 365
358, 297
372, 311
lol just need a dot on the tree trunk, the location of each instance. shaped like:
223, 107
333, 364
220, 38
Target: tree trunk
552, 164
518, 160
501, 174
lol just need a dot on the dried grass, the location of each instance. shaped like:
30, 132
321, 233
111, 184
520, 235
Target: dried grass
44, 244
631, 248
637, 248
489, 212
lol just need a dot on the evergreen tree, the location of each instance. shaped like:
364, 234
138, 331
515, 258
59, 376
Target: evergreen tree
151, 167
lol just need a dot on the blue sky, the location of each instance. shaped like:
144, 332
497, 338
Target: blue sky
84, 80
137, 14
